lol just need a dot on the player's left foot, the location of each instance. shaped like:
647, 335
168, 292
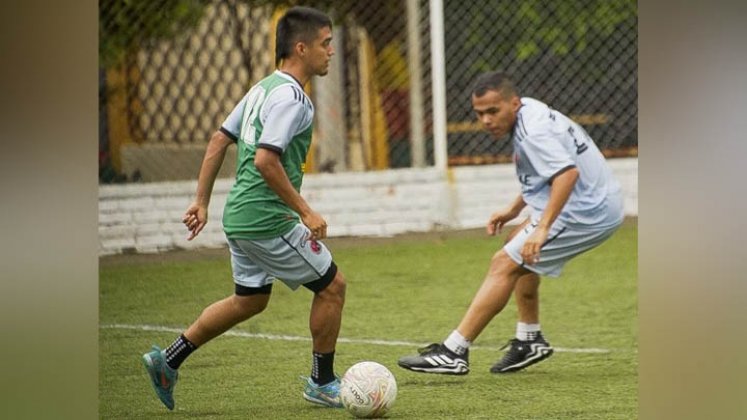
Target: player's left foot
436, 358
327, 395
162, 377
522, 354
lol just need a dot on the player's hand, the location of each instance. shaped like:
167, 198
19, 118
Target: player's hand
316, 224
530, 252
195, 218
497, 221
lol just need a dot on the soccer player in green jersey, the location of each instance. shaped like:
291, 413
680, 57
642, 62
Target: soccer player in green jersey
271, 231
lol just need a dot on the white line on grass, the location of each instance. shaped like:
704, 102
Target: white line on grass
277, 337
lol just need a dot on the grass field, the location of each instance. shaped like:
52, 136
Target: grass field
414, 289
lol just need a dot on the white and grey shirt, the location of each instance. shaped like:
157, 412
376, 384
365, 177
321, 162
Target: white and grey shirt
284, 112
547, 143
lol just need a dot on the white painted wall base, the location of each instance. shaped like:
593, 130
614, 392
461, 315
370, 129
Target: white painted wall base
147, 217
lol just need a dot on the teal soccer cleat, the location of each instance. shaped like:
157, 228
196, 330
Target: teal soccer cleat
327, 395
162, 377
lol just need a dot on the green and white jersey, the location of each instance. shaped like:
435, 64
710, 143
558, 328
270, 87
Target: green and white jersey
277, 115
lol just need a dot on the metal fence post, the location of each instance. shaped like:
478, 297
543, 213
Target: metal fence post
438, 70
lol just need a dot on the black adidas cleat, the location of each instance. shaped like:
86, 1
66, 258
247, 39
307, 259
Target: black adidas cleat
522, 354
436, 358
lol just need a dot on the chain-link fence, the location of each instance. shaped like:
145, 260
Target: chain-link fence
578, 56
173, 69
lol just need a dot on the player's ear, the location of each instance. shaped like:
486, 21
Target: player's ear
515, 103
300, 48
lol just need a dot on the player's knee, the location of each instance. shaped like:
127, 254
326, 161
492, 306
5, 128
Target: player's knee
248, 306
334, 292
337, 287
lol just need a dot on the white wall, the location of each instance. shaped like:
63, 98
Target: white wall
147, 217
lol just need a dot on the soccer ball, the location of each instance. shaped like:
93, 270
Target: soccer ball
368, 390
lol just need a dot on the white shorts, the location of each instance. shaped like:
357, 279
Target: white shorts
290, 258
562, 244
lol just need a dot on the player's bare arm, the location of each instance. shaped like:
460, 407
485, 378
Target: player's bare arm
269, 166
501, 217
196, 216
560, 189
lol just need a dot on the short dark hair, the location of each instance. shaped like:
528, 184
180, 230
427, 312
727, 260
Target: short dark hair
298, 24
497, 81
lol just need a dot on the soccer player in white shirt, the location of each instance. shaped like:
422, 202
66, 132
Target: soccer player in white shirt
574, 205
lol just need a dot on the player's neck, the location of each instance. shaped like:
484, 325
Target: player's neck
296, 71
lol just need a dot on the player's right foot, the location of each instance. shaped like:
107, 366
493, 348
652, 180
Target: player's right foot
162, 376
522, 354
327, 395
436, 358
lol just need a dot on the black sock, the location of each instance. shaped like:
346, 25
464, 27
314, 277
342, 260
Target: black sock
178, 351
322, 368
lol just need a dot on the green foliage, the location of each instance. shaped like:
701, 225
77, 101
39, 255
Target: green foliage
562, 27
411, 289
506, 30
125, 25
